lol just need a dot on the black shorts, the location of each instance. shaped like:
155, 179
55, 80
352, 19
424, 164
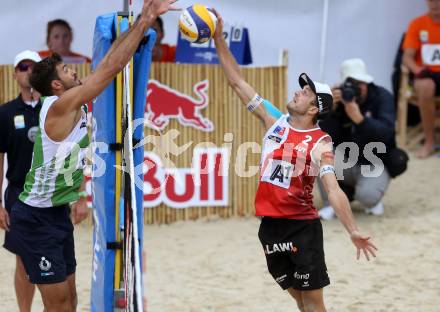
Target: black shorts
11, 197
294, 252
435, 76
43, 238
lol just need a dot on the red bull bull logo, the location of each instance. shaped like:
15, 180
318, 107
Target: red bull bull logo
164, 103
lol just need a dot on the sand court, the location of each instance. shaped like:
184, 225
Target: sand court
218, 265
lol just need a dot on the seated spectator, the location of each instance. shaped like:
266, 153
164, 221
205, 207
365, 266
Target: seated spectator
162, 52
59, 39
363, 113
422, 56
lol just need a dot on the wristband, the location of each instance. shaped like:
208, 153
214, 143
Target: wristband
255, 102
83, 194
326, 169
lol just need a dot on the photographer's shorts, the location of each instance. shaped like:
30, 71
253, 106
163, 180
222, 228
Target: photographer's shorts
294, 252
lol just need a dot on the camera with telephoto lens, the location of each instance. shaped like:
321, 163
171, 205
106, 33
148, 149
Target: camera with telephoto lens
350, 91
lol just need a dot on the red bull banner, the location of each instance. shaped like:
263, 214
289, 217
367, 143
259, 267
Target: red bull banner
164, 103
205, 183
202, 146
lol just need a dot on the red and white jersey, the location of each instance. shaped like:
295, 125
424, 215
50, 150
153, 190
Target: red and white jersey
288, 172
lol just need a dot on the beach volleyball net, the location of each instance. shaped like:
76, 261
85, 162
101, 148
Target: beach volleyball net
116, 171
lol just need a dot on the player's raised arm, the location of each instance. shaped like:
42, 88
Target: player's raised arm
338, 200
114, 61
232, 71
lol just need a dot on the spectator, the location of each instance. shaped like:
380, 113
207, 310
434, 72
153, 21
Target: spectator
162, 52
364, 113
422, 56
18, 127
59, 39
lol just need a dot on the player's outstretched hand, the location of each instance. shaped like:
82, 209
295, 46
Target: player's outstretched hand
219, 28
363, 243
157, 7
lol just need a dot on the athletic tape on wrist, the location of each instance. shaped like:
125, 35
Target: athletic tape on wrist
255, 102
326, 169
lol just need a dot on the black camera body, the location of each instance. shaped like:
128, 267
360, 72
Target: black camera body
350, 91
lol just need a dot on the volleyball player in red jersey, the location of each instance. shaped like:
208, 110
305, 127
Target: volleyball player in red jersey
295, 150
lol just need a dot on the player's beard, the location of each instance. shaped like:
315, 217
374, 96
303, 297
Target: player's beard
294, 110
71, 84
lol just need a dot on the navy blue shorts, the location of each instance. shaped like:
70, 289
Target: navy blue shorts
11, 197
43, 238
294, 252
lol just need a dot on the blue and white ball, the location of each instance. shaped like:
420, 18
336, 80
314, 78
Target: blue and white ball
197, 23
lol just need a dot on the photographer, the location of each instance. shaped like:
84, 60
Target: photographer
363, 113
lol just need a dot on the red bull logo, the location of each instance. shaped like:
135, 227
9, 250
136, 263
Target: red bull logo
203, 184
164, 103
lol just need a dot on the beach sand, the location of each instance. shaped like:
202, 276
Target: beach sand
219, 265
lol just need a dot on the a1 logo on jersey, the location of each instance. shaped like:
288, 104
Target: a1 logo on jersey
278, 172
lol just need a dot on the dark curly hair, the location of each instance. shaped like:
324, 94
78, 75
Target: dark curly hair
43, 73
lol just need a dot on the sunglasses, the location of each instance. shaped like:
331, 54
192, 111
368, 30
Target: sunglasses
23, 67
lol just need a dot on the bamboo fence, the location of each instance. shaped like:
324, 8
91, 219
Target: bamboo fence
225, 111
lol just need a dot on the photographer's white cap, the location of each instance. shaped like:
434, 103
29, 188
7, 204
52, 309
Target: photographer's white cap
355, 68
26, 55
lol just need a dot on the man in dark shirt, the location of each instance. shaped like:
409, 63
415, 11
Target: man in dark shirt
364, 114
18, 127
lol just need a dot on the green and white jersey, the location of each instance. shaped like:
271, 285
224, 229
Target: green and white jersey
57, 167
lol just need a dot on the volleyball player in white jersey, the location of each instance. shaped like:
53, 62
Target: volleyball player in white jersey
294, 151
40, 228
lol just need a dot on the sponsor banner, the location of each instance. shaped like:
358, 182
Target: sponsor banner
236, 37
205, 183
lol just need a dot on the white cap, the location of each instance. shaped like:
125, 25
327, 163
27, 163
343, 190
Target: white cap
26, 55
355, 68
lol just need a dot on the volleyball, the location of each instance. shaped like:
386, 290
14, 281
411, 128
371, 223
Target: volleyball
197, 23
